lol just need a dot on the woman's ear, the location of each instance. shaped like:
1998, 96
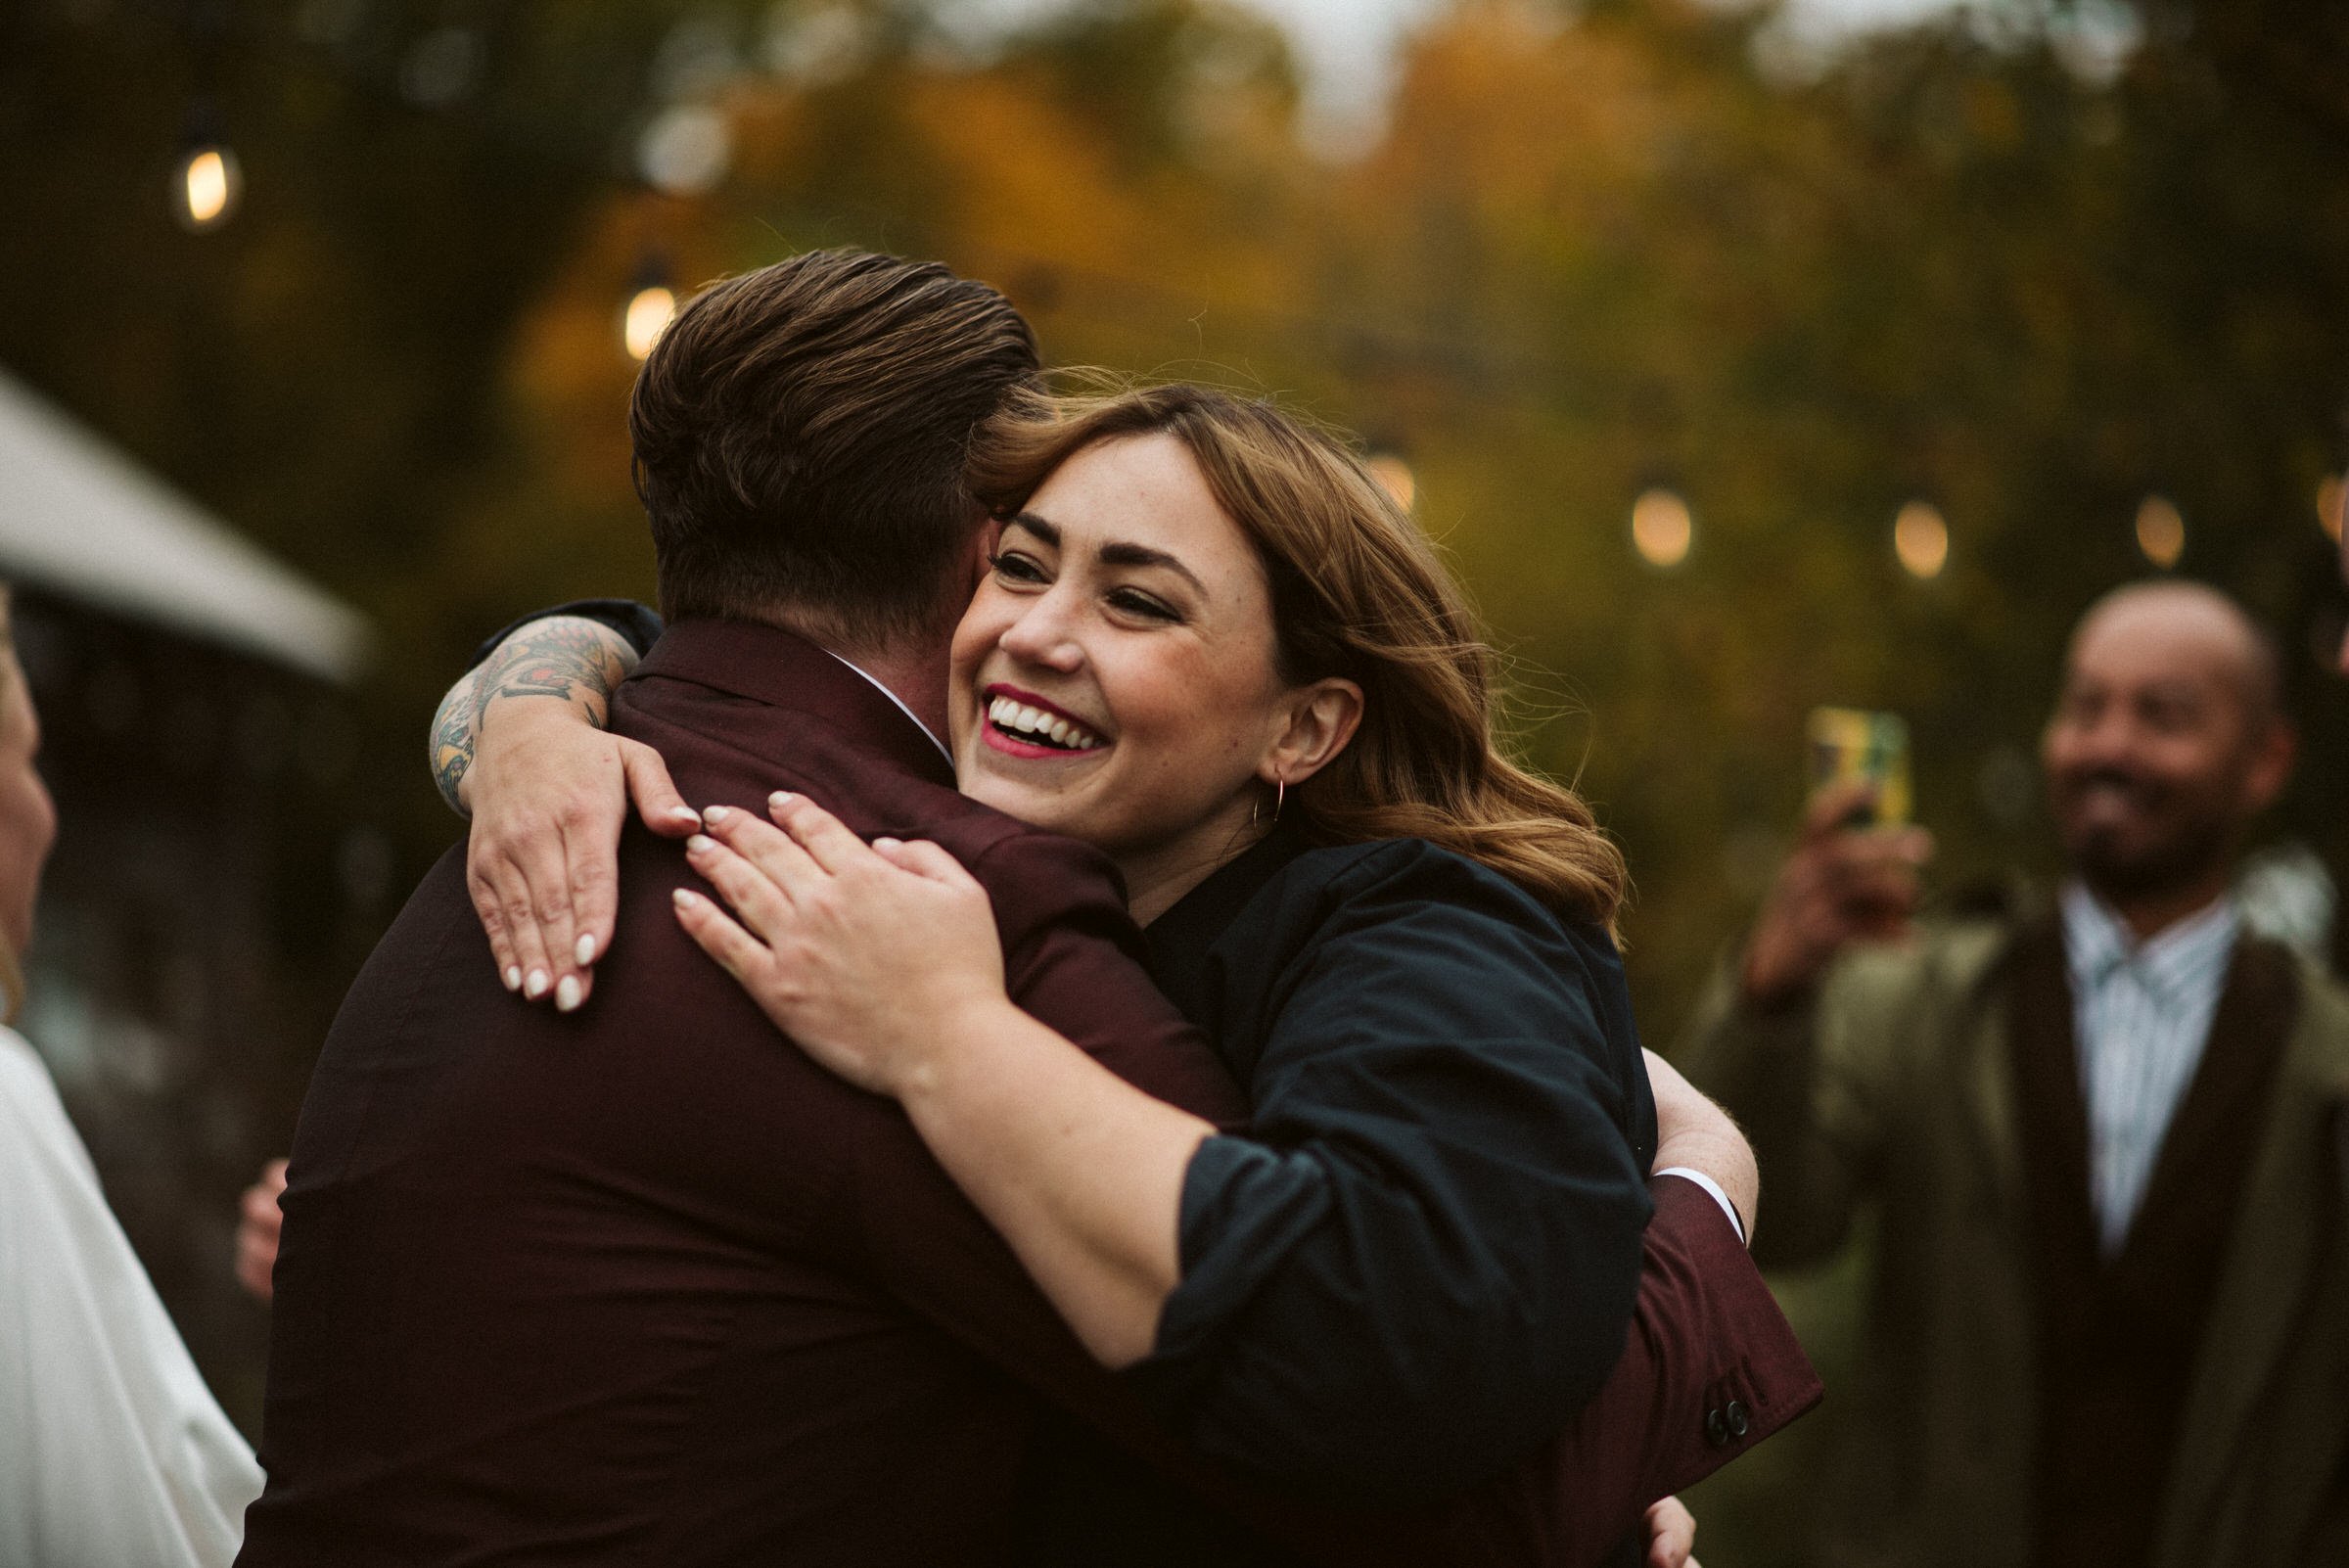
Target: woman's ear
1322, 718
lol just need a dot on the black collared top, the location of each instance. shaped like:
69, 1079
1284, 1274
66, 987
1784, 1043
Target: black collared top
1422, 1254
1425, 1247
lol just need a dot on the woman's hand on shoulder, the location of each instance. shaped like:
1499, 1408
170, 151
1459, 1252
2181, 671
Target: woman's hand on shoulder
875, 959
549, 792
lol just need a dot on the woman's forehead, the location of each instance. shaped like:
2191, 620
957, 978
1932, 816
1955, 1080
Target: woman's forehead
1145, 491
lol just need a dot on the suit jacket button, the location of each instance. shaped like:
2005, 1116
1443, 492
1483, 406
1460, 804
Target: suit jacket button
1739, 1424
1717, 1428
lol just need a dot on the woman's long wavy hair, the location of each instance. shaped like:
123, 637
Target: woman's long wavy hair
1357, 591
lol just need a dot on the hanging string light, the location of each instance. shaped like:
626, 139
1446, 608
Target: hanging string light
2160, 531
207, 181
1662, 529
651, 305
1920, 538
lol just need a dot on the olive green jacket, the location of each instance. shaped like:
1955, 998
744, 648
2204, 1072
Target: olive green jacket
1896, 1091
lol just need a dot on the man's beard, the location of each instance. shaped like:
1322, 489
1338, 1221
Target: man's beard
2192, 853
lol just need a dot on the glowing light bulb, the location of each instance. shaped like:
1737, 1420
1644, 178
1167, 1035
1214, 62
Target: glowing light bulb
207, 187
1394, 475
1921, 540
1661, 528
2160, 531
647, 317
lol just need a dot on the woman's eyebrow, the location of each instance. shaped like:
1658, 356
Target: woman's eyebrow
1141, 555
1049, 532
1124, 555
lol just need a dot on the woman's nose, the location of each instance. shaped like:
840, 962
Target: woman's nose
1045, 634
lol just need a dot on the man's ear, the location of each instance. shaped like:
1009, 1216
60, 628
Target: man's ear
2270, 767
1322, 720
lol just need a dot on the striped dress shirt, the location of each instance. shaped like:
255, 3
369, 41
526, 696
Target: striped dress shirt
2141, 1015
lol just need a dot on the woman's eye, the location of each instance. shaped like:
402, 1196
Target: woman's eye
1013, 566
1142, 604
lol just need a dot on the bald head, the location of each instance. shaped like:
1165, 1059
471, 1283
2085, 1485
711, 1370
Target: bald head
2189, 626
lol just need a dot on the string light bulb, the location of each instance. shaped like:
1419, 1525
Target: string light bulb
652, 303
1920, 538
2160, 531
207, 182
647, 316
1662, 529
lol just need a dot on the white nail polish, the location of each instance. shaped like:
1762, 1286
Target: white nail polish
584, 951
684, 813
513, 977
567, 994
534, 986
701, 844
781, 798
682, 898
717, 814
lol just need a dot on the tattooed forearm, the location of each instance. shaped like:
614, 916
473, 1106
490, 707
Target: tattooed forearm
453, 725
568, 658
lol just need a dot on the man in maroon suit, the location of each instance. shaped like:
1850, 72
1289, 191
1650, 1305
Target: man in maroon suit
636, 1283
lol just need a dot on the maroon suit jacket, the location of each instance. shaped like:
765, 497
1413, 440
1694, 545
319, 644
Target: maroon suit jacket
644, 1284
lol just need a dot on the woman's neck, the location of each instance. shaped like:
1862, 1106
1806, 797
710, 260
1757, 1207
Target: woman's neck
1158, 877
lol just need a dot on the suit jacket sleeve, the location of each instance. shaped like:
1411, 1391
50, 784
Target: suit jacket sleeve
1711, 1369
1706, 1334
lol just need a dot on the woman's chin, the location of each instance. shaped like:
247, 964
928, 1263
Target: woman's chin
1043, 801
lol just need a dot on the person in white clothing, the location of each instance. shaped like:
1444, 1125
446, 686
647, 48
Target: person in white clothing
113, 1453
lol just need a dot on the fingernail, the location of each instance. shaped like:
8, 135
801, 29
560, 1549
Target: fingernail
513, 977
716, 814
700, 843
534, 986
567, 994
685, 899
684, 813
885, 844
780, 799
584, 951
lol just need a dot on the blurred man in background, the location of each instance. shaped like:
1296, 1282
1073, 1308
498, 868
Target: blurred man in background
2109, 1318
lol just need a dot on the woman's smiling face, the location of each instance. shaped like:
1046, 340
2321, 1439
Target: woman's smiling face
1115, 678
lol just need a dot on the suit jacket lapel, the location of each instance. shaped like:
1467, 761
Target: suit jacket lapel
2287, 1252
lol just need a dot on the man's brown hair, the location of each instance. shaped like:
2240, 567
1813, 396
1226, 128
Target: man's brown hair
799, 434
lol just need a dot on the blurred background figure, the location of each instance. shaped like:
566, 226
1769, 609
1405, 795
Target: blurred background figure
113, 1453
2109, 1320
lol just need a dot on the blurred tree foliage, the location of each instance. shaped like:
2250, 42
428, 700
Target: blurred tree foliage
2031, 263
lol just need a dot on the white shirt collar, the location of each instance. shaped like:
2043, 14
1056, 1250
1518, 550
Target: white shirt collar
2097, 940
902, 709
